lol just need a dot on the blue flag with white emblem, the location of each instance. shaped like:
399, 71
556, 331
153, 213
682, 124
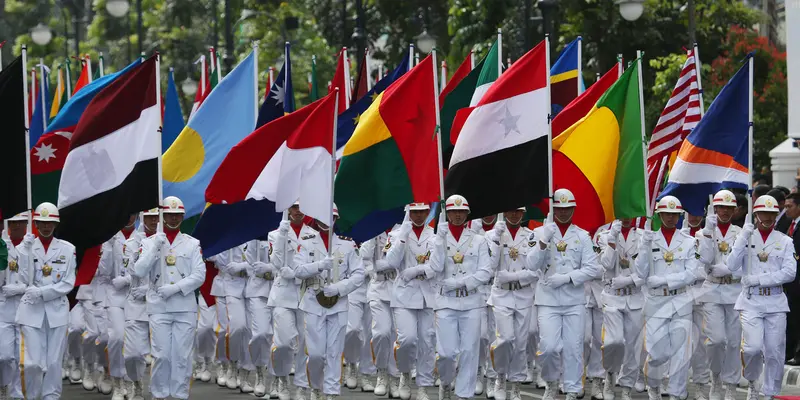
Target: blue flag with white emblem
280, 99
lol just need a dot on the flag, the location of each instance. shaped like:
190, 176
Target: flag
59, 96
391, 159
286, 160
600, 158
50, 151
215, 70
715, 155
13, 197
173, 117
280, 100
83, 79
564, 79
584, 103
33, 89
680, 116
111, 170
203, 86
226, 116
455, 96
341, 80
461, 73
487, 72
362, 85
41, 107
502, 139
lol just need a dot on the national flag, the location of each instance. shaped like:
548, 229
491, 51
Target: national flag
203, 86
463, 70
173, 117
280, 100
286, 160
216, 72
584, 103
362, 85
391, 159
341, 79
59, 96
600, 158
488, 71
455, 96
33, 89
111, 170
564, 79
226, 116
13, 197
680, 116
41, 107
502, 139
84, 78
715, 155
50, 151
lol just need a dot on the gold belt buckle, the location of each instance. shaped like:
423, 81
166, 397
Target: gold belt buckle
325, 301
665, 291
727, 280
268, 276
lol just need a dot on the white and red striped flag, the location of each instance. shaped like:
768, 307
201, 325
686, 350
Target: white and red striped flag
680, 116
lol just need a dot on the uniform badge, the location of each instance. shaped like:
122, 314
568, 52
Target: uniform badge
597, 249
171, 260
624, 263
723, 247
763, 256
269, 252
46, 270
388, 246
12, 265
513, 253
669, 257
796, 257
421, 258
458, 258
561, 246
531, 243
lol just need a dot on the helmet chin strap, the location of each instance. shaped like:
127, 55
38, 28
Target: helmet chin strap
762, 224
418, 225
174, 228
563, 222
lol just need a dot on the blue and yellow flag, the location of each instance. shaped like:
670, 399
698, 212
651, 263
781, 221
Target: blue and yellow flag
173, 117
564, 79
226, 117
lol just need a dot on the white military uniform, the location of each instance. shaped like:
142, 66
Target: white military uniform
137, 327
623, 318
561, 309
721, 324
111, 265
668, 308
43, 320
358, 335
593, 328
488, 326
288, 341
325, 327
464, 266
511, 298
763, 307
259, 314
173, 320
379, 294
83, 332
220, 326
699, 362
413, 303
9, 330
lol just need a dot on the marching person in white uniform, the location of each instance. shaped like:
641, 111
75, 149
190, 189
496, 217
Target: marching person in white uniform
261, 273
511, 298
667, 262
330, 272
408, 250
769, 262
136, 344
13, 288
206, 340
173, 263
225, 371
462, 261
593, 334
622, 301
288, 341
565, 257
701, 374
47, 265
357, 339
721, 323
480, 227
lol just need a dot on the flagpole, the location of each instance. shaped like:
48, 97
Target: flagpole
416, 59
101, 66
500, 52
27, 152
88, 67
443, 79
254, 45
639, 55
580, 65
333, 175
272, 76
549, 129
438, 134
32, 94
1, 54
347, 88
68, 78
410, 56
45, 111
203, 75
367, 69
160, 229
471, 60
620, 67
749, 155
697, 69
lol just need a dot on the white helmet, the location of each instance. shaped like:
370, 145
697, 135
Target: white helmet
724, 198
335, 210
46, 212
173, 205
296, 203
522, 209
151, 212
23, 216
418, 207
766, 203
669, 204
563, 198
456, 202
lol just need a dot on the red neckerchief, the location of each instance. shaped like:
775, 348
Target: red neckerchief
46, 242
149, 234
723, 228
325, 238
563, 227
297, 229
456, 231
171, 234
127, 233
667, 233
693, 230
487, 228
765, 234
513, 231
625, 232
16, 242
418, 230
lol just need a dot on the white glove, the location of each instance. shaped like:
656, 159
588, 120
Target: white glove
451, 284
718, 271
284, 226
656, 281
120, 282
616, 228
160, 238
139, 292
621, 282
235, 268
410, 273
548, 231
168, 291
14, 290
33, 295
505, 277
441, 229
326, 263
500, 227
747, 230
287, 273
261, 268
750, 281
330, 291
556, 280
648, 236
711, 225
404, 230
27, 240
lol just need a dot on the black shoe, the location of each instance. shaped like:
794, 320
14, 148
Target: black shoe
793, 362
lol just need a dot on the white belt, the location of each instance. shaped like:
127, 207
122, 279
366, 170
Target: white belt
514, 285
626, 291
766, 291
388, 275
666, 292
460, 292
725, 280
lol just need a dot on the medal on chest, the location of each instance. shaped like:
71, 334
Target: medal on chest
458, 258
561, 246
12, 265
171, 259
763, 256
513, 253
47, 270
723, 247
624, 263
421, 258
669, 257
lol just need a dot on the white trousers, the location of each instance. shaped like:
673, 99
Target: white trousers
533, 334
458, 344
764, 342
116, 338
136, 345
668, 344
260, 317
223, 344
623, 343
41, 356
172, 342
206, 336
723, 330
325, 343
700, 371
416, 343
509, 350
488, 328
384, 334
9, 359
238, 336
358, 336
289, 344
83, 332
101, 343
593, 342
561, 331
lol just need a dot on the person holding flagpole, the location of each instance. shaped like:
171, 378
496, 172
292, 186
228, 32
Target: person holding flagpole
13, 288
481, 227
